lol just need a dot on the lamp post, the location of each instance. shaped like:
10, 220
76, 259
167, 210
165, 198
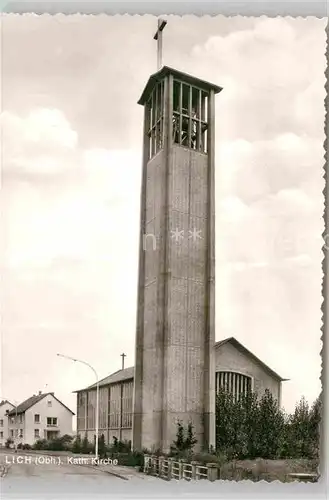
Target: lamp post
97, 395
15, 406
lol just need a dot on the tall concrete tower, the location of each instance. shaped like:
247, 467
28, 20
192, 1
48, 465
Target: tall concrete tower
174, 372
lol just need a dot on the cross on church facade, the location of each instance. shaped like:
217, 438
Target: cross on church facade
158, 37
123, 355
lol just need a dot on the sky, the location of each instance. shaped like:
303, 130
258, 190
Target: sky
70, 190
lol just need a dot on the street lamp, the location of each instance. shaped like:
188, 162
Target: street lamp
97, 395
15, 406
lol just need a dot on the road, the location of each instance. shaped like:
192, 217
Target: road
33, 479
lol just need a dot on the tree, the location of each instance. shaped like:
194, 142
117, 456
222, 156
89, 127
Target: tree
178, 444
270, 426
225, 426
299, 430
190, 440
185, 440
85, 446
101, 446
314, 427
76, 448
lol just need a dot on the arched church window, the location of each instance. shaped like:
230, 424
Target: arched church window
235, 383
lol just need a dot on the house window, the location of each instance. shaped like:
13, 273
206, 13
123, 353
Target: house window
36, 433
1, 434
1, 422
49, 403
20, 433
20, 418
190, 116
234, 383
51, 421
12, 432
37, 419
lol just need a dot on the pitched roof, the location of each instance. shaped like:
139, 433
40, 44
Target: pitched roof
128, 373
28, 403
244, 350
118, 376
5, 401
165, 70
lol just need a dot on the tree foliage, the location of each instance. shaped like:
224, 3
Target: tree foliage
250, 427
185, 439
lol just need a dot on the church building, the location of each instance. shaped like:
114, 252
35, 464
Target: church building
178, 364
236, 369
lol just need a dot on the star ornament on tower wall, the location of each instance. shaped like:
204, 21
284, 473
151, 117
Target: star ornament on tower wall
195, 234
177, 235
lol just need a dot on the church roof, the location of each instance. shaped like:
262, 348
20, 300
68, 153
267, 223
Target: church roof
244, 350
118, 376
159, 75
128, 373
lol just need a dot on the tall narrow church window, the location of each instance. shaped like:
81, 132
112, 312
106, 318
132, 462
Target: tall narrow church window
236, 384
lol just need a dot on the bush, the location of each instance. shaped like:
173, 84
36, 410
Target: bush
26, 446
131, 459
61, 443
101, 446
40, 444
77, 445
205, 458
86, 446
119, 446
8, 443
185, 440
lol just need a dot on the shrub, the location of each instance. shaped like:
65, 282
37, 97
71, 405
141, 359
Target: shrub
205, 458
41, 444
101, 446
120, 446
8, 443
77, 445
86, 446
131, 459
185, 440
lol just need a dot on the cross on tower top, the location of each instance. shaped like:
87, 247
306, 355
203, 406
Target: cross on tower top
123, 355
158, 37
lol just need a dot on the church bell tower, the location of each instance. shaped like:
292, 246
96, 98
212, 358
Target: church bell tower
175, 335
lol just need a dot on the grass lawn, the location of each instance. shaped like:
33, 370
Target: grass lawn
267, 470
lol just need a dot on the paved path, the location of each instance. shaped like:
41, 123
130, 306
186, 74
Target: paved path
27, 475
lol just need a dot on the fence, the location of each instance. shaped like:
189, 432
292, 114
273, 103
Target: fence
169, 468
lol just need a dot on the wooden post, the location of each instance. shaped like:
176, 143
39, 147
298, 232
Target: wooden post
146, 463
161, 459
194, 464
169, 475
212, 472
180, 474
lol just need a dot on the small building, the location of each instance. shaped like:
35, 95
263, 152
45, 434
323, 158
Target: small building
41, 416
236, 369
5, 407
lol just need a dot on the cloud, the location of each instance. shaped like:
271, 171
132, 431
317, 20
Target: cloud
71, 186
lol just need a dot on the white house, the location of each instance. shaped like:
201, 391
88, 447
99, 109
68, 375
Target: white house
5, 407
41, 416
